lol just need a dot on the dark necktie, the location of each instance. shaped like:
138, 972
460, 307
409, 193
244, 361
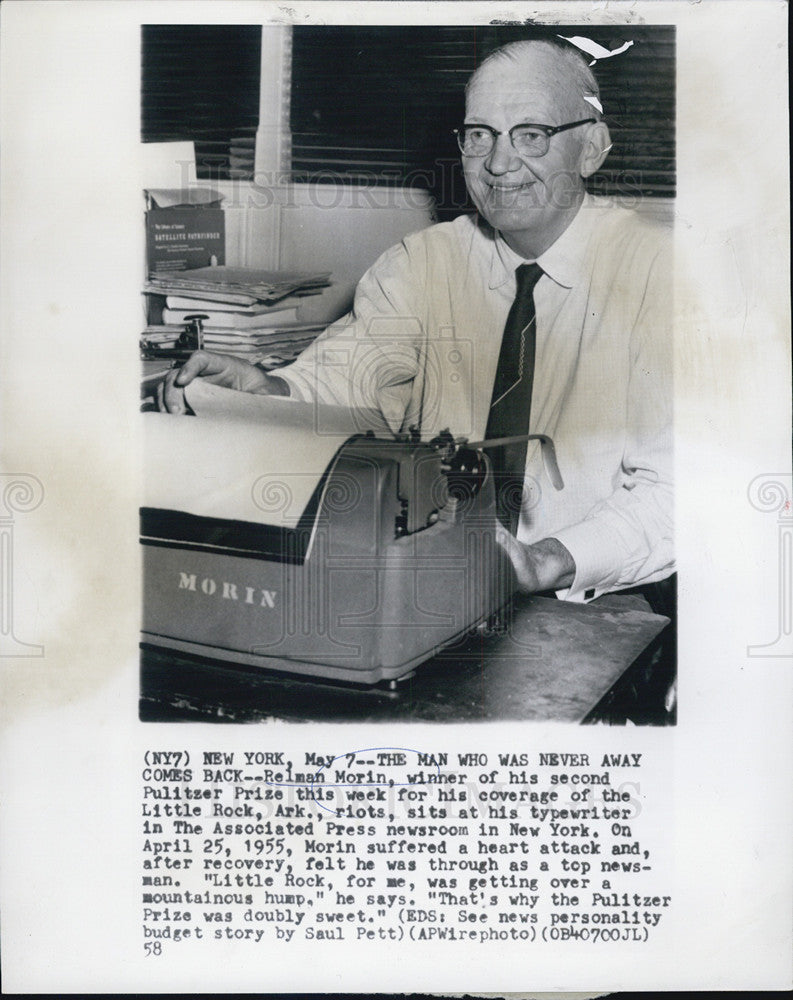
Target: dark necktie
510, 405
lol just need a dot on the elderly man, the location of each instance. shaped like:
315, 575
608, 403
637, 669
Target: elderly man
548, 311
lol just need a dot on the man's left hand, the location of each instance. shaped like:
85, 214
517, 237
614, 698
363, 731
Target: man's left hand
545, 565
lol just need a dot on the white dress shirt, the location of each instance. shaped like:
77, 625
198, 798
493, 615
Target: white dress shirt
422, 345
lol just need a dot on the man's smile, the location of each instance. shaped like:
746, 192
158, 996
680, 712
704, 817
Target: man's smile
501, 196
509, 187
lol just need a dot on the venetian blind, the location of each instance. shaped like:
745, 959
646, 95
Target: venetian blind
201, 82
377, 104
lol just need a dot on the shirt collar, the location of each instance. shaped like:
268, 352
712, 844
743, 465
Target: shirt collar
563, 261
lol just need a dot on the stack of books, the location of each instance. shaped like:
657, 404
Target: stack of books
247, 312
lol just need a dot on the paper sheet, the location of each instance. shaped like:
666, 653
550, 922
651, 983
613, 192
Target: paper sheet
712, 792
243, 457
207, 400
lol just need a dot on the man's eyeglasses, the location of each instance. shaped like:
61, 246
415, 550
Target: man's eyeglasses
526, 139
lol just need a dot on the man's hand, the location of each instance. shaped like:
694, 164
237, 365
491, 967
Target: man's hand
217, 369
546, 565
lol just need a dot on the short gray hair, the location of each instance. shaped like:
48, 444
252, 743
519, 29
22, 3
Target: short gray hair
569, 57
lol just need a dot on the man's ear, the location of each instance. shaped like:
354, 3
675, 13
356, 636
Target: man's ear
596, 147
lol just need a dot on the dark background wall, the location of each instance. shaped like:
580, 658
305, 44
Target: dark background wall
376, 105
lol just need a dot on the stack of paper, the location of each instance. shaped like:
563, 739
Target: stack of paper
244, 286
282, 343
245, 312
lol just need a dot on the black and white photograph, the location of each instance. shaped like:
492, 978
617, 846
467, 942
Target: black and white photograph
429, 468
396, 505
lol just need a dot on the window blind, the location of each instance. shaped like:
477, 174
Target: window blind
201, 82
376, 105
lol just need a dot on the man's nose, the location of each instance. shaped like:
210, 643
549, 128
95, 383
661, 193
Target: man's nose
502, 157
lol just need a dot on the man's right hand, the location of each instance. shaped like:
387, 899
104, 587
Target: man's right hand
217, 369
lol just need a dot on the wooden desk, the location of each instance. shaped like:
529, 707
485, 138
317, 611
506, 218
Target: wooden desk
559, 661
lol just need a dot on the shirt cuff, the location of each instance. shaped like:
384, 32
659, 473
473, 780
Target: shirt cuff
596, 570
